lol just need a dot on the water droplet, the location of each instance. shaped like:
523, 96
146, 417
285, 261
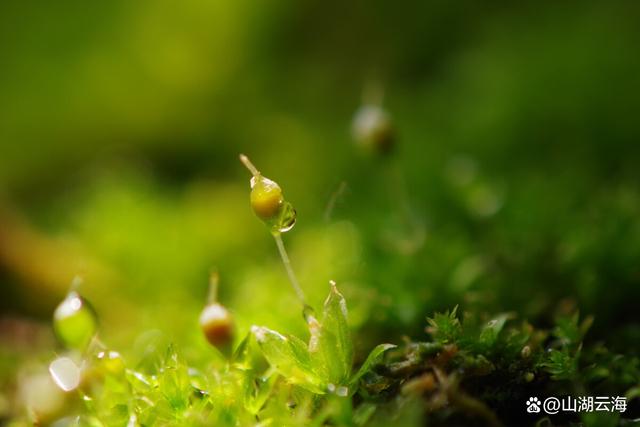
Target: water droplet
260, 333
285, 220
65, 373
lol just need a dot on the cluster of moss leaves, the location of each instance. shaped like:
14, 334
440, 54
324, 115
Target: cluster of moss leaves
479, 368
473, 371
270, 379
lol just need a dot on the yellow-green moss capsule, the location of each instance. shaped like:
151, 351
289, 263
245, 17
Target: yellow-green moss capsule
217, 325
268, 202
74, 322
373, 130
266, 197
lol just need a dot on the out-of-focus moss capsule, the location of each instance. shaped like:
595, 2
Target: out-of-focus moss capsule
373, 130
74, 321
217, 325
215, 320
268, 202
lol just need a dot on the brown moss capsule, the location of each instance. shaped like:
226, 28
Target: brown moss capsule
373, 130
217, 325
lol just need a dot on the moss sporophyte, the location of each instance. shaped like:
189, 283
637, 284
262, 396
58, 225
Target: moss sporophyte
324, 364
215, 320
269, 204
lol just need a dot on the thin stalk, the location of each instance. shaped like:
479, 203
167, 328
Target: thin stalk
214, 279
245, 161
76, 283
287, 265
400, 197
333, 200
373, 93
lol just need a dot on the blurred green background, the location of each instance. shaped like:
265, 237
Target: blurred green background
513, 186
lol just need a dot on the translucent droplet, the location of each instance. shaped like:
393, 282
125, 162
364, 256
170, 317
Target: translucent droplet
285, 220
65, 373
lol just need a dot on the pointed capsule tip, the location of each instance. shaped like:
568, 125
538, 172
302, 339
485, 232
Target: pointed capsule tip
247, 163
76, 282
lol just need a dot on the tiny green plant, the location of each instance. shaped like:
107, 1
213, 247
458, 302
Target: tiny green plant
324, 364
269, 204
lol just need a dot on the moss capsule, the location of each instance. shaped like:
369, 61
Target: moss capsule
266, 197
373, 130
217, 325
74, 321
268, 202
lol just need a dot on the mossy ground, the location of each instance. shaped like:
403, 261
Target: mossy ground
511, 193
